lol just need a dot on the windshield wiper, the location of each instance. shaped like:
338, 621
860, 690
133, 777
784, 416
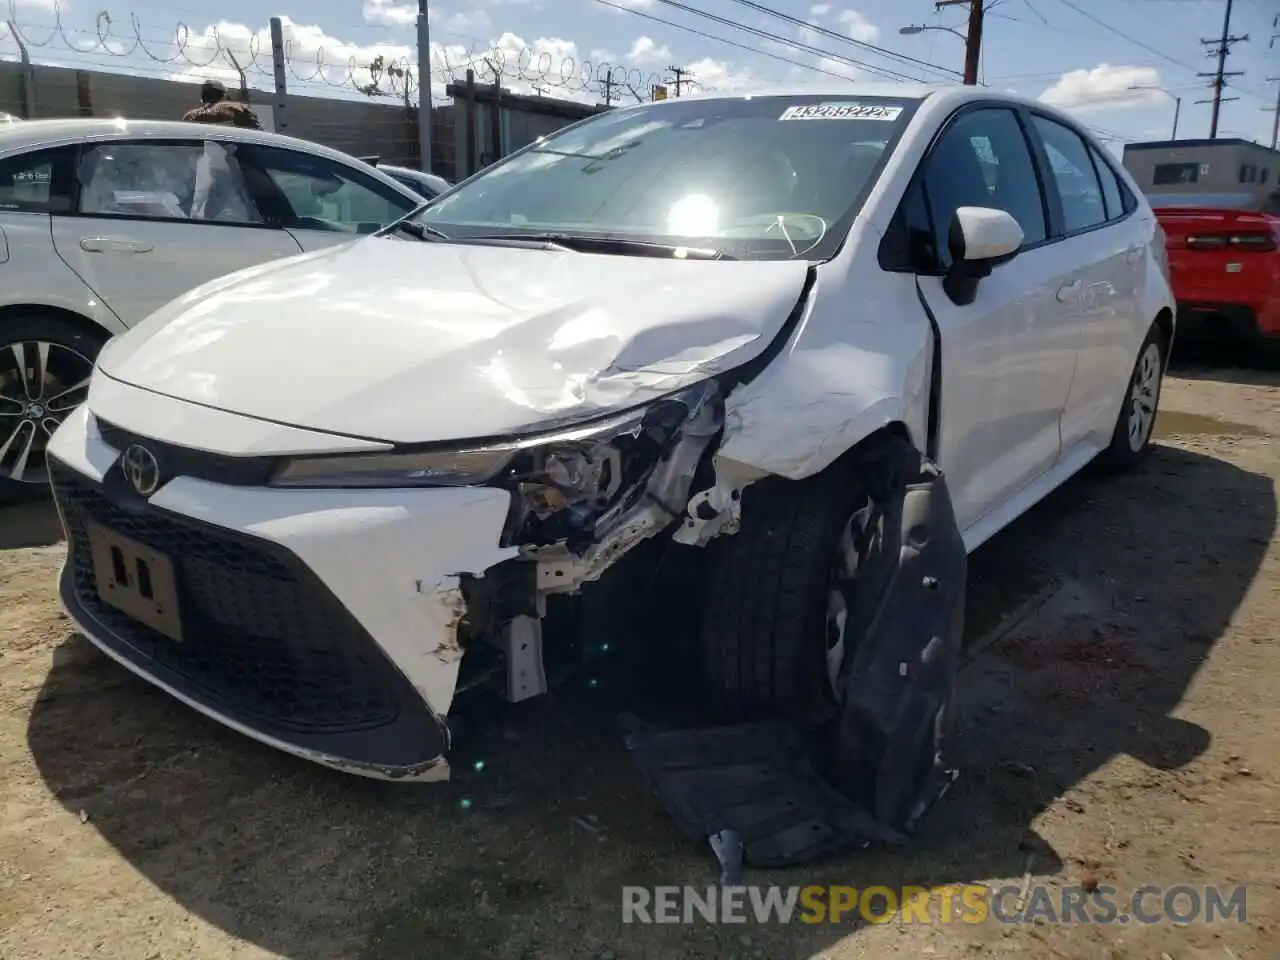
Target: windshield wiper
618, 245
419, 230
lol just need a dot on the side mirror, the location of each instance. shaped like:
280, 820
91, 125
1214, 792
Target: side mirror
979, 239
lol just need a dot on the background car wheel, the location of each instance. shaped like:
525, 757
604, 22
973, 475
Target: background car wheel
45, 363
1137, 419
773, 618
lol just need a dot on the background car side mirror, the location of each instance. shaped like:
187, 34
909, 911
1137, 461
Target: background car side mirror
979, 239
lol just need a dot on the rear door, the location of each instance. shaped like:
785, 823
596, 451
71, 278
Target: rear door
1008, 356
320, 201
1096, 231
152, 219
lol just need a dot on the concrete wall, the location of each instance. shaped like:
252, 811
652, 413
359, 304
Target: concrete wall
363, 128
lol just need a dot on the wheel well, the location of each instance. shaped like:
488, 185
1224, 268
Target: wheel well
1164, 323
895, 429
79, 320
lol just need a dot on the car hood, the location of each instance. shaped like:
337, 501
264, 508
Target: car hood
413, 342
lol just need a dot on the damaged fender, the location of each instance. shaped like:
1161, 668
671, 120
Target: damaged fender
787, 795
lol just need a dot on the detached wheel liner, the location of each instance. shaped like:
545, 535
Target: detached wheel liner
806, 770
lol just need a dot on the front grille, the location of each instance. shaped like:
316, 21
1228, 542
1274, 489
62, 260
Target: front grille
178, 461
263, 640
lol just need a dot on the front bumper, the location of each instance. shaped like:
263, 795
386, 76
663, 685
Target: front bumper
323, 623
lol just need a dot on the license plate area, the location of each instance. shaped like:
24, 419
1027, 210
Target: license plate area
136, 580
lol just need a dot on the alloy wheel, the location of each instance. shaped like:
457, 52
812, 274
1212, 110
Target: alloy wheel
1144, 393
40, 384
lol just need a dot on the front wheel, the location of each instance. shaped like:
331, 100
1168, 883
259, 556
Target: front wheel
1137, 418
45, 364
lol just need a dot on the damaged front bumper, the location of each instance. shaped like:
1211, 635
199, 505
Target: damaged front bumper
322, 623
331, 622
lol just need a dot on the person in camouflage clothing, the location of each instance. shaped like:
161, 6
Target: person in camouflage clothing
216, 108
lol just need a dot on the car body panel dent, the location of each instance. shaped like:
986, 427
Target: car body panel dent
517, 339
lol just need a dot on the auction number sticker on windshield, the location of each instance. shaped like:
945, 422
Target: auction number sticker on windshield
841, 111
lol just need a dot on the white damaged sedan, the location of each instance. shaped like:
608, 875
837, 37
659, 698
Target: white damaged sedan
299, 497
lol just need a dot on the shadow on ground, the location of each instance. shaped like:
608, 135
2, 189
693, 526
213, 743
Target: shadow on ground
1253, 364
33, 524
524, 853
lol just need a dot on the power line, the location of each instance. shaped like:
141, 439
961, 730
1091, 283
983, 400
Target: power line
1219, 81
794, 44
682, 77
1179, 62
725, 40
827, 32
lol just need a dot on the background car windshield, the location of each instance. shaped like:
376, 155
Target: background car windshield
770, 177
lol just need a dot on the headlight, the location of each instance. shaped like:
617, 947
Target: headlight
563, 483
433, 469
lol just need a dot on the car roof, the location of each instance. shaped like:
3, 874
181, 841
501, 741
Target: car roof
941, 97
39, 134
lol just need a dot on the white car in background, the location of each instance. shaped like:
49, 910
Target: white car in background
719, 321
104, 221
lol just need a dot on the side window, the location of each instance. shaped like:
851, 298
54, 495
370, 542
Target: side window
192, 180
1072, 171
1112, 192
37, 182
982, 160
1166, 174
319, 194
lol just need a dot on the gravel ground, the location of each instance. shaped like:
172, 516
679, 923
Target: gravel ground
1120, 727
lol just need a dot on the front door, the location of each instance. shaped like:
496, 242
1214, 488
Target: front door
154, 219
1008, 357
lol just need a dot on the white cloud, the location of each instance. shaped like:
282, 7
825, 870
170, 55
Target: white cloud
819, 10
858, 26
629, 4
390, 13
645, 52
463, 24
718, 75
1105, 87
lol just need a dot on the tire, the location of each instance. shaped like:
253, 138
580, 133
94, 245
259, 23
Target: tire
1135, 423
38, 393
766, 600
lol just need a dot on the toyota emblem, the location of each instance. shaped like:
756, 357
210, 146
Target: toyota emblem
141, 469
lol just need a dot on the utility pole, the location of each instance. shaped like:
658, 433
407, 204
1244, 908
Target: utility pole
1275, 123
424, 89
972, 39
1219, 76
608, 83
682, 77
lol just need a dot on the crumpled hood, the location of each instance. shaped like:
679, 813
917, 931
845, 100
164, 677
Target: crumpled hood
413, 342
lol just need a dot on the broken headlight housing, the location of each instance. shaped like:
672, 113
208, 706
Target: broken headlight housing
565, 485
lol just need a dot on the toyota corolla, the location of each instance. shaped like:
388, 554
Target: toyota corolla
299, 498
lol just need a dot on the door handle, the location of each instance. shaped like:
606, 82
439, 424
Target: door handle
1134, 253
114, 244
1067, 291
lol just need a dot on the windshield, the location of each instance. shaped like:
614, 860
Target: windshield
755, 178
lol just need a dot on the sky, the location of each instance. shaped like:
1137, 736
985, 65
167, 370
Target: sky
1086, 56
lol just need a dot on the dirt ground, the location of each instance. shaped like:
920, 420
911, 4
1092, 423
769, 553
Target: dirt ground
1121, 726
